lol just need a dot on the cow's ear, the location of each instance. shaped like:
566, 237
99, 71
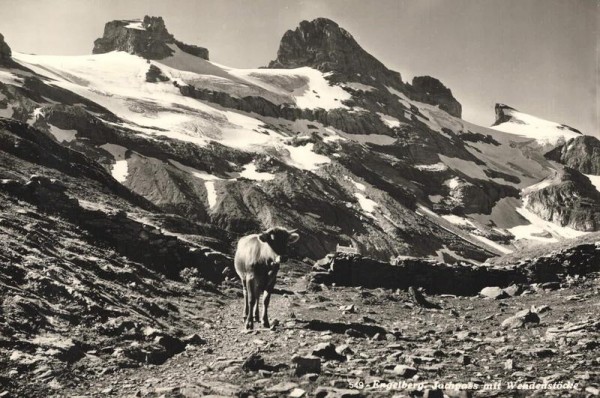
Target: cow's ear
264, 237
294, 238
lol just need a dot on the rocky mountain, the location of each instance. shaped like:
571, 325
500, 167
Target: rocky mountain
580, 153
148, 38
326, 139
547, 133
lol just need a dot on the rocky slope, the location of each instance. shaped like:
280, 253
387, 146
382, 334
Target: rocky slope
568, 199
580, 153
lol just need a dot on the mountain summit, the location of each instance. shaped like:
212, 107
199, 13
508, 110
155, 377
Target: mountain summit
148, 38
324, 45
510, 120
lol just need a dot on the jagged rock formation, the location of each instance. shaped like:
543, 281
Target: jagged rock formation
148, 38
5, 51
569, 199
431, 91
322, 44
580, 153
503, 113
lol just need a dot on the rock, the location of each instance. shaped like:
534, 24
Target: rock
541, 309
569, 199
155, 75
464, 360
148, 38
431, 91
193, 339
433, 393
348, 308
344, 349
331, 392
327, 351
509, 364
297, 393
579, 153
351, 332
494, 292
542, 352
405, 371
520, 319
253, 363
283, 387
305, 365
5, 51
322, 44
513, 290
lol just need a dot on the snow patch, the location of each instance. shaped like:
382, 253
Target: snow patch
304, 158
538, 227
63, 135
211, 193
365, 203
250, 173
432, 167
389, 121
493, 244
196, 173
119, 170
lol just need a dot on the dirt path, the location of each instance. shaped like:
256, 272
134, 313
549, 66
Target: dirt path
461, 343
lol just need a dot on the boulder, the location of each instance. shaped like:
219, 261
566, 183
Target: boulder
493, 292
327, 351
520, 319
306, 365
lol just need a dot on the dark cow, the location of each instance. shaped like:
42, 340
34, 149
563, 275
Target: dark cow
257, 261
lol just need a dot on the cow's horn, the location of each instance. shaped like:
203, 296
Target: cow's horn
293, 231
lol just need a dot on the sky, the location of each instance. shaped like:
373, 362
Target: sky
539, 56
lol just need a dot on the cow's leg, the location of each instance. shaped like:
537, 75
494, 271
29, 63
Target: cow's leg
245, 299
257, 306
266, 301
251, 300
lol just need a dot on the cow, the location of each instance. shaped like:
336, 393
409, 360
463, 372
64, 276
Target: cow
257, 260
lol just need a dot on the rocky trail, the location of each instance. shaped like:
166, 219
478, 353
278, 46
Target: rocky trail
342, 341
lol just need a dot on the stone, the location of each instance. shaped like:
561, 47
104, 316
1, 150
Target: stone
297, 393
520, 319
193, 339
405, 371
332, 392
284, 386
514, 290
433, 393
327, 351
305, 365
493, 292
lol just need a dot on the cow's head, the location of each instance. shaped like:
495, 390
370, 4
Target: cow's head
279, 239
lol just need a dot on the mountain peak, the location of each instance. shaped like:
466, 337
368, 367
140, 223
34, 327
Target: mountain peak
322, 44
5, 51
510, 120
147, 37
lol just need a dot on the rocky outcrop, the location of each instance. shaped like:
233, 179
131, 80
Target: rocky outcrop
431, 91
580, 153
324, 45
503, 114
5, 51
148, 38
440, 278
570, 200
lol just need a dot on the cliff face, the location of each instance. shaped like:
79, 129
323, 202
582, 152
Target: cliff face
5, 51
431, 91
580, 153
569, 200
148, 38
